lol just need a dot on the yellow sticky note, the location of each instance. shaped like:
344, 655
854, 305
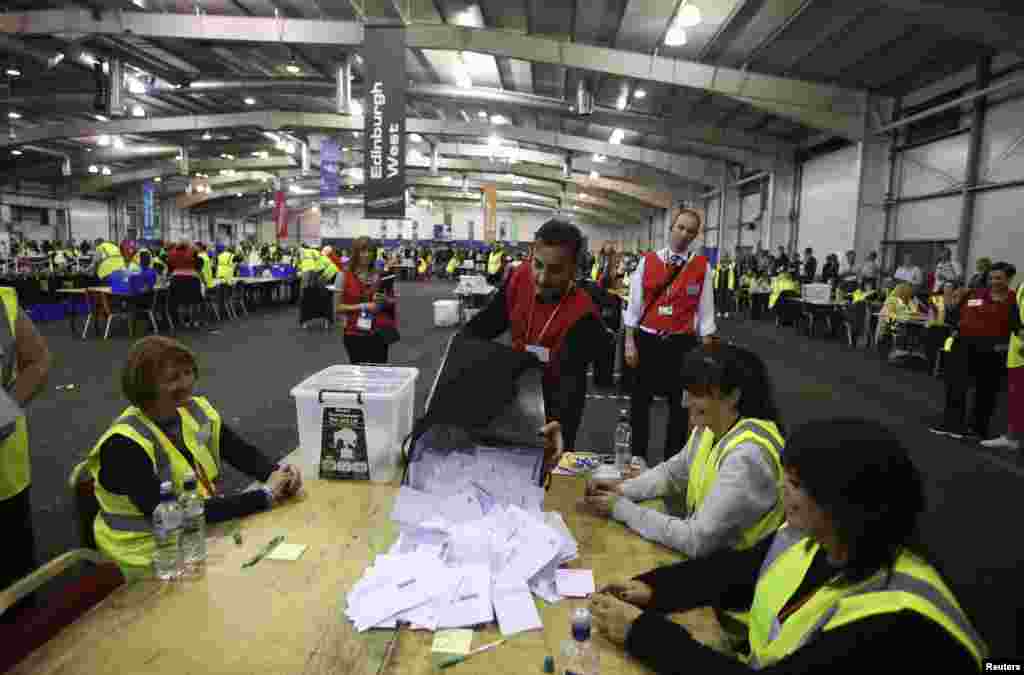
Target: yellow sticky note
455, 641
284, 551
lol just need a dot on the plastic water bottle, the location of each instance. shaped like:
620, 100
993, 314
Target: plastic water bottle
579, 656
623, 442
193, 531
167, 561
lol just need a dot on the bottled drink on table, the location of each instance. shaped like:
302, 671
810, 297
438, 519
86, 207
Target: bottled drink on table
193, 531
623, 442
167, 521
579, 657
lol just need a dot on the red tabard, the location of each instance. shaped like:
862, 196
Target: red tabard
557, 317
683, 296
981, 316
356, 292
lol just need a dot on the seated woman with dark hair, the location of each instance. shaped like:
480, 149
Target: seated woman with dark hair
725, 489
838, 585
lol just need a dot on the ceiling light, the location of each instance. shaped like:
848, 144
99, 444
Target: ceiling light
101, 118
103, 141
255, 153
294, 188
249, 100
238, 194
207, 136
594, 175
136, 86
345, 149
494, 141
448, 179
16, 153
157, 179
676, 37
13, 71
14, 116
617, 136
289, 148
599, 158
356, 108
415, 138
640, 93
106, 171
138, 111
621, 103
87, 59
93, 168
55, 60
293, 67
499, 119
118, 143
482, 114
689, 16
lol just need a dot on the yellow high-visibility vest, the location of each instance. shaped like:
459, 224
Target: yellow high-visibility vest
15, 469
1014, 359
911, 585
122, 531
111, 259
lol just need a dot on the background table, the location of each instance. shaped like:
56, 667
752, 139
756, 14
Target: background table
287, 617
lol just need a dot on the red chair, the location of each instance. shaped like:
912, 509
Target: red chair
35, 626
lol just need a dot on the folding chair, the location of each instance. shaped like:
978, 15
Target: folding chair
238, 297
120, 308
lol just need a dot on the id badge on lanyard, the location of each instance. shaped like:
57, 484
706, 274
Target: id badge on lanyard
364, 322
542, 353
665, 310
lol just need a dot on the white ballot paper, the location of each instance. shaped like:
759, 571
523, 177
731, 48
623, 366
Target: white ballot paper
574, 583
515, 608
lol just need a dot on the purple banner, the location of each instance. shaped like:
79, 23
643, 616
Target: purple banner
329, 168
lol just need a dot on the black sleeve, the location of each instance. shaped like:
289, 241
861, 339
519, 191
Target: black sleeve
125, 469
883, 643
1015, 322
244, 456
492, 321
725, 579
583, 344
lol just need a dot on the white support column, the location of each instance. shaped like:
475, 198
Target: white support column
780, 223
873, 169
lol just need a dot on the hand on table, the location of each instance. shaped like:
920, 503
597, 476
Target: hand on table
613, 617
602, 503
598, 486
632, 591
554, 445
285, 482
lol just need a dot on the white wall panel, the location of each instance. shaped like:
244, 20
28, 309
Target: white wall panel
934, 167
1002, 152
89, 218
828, 202
751, 212
928, 219
998, 232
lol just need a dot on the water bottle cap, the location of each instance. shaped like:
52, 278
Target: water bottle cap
166, 488
624, 415
580, 631
189, 482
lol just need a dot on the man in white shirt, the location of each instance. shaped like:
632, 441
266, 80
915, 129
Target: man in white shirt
947, 271
671, 305
909, 272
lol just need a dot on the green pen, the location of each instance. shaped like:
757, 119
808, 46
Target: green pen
265, 552
451, 661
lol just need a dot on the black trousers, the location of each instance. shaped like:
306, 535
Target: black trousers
660, 373
973, 365
20, 559
366, 349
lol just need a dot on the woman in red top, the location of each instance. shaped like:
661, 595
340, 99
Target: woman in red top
983, 319
186, 289
368, 307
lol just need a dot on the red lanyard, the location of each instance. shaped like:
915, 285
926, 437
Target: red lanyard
675, 282
533, 307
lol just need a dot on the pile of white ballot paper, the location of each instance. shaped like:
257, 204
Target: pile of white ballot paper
473, 546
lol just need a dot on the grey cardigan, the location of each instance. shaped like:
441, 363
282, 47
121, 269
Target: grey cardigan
745, 490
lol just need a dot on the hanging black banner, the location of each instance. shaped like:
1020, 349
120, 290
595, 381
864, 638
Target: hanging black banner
384, 129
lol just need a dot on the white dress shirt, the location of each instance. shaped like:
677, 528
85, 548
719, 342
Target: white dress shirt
911, 275
705, 318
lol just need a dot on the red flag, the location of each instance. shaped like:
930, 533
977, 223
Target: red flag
280, 215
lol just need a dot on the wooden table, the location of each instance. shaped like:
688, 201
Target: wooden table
284, 618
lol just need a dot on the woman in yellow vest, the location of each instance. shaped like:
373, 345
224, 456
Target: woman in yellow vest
24, 366
107, 259
725, 489
840, 585
166, 432
226, 264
